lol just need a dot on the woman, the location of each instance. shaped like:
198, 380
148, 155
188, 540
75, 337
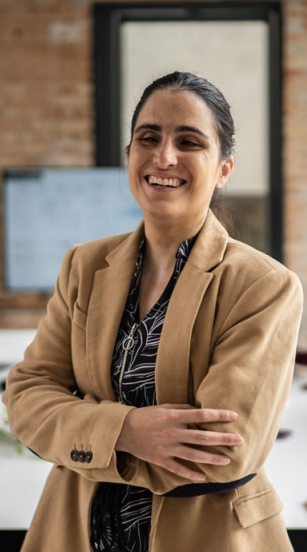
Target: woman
157, 380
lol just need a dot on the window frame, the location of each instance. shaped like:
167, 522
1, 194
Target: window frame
108, 18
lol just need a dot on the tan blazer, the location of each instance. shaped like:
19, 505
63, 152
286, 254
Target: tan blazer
228, 341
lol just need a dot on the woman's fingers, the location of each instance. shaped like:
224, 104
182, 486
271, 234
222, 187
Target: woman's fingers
176, 467
201, 415
199, 456
168, 434
170, 406
202, 438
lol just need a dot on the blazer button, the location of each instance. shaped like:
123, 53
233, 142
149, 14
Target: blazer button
81, 455
74, 455
88, 457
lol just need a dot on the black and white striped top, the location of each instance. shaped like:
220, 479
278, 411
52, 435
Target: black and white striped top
120, 520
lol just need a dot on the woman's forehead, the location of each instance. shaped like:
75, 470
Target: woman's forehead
176, 108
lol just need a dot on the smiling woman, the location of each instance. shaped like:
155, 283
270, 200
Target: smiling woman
157, 380
175, 138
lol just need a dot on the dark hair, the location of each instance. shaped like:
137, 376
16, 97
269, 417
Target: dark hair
207, 92
222, 117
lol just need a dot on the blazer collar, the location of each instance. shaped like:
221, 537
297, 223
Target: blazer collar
107, 302
128, 248
207, 252
210, 245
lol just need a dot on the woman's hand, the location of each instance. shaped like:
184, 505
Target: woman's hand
168, 433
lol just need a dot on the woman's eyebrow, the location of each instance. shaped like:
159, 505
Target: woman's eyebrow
182, 128
147, 126
187, 128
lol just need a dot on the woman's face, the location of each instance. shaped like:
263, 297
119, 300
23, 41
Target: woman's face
174, 160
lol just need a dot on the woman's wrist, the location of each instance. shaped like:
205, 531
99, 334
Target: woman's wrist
124, 438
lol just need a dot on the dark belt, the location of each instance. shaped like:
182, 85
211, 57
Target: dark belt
198, 489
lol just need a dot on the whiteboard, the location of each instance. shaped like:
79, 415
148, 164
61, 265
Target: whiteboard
47, 211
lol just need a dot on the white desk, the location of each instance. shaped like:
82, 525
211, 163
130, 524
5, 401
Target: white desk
23, 476
286, 466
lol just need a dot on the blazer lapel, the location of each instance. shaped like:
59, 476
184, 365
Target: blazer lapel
172, 368
107, 302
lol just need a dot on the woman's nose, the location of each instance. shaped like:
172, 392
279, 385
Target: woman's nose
165, 155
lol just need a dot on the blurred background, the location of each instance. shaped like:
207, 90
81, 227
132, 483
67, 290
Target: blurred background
71, 72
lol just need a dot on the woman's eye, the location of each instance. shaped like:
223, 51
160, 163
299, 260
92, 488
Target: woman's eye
148, 139
189, 144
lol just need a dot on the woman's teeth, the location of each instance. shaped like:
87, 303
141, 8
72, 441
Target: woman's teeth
171, 182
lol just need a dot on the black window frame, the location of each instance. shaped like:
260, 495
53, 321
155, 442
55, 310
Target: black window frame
108, 18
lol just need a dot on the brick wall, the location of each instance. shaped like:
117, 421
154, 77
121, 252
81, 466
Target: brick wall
46, 92
295, 143
46, 100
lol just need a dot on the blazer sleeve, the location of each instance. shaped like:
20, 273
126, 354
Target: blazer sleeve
251, 370
43, 412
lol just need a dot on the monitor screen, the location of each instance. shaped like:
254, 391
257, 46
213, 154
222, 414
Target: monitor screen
46, 211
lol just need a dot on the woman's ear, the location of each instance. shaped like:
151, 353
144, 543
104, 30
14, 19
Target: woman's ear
226, 169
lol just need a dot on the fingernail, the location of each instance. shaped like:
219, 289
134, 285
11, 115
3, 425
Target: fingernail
233, 415
225, 460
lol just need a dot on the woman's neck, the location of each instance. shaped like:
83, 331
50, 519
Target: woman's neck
162, 242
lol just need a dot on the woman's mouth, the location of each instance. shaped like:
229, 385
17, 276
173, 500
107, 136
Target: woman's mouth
160, 182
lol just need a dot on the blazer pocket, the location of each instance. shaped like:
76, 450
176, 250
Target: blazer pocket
257, 507
79, 318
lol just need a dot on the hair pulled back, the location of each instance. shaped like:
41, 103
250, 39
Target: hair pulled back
207, 92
